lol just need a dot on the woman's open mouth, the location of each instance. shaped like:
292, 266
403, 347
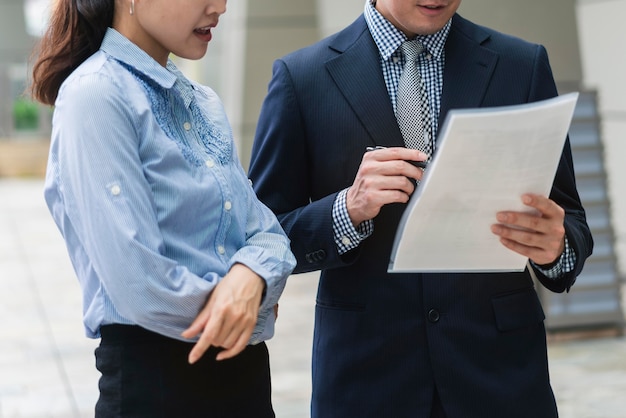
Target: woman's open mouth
203, 33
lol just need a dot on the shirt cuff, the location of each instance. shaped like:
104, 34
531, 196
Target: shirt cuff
264, 329
563, 265
347, 237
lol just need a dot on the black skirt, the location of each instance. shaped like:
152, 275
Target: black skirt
145, 374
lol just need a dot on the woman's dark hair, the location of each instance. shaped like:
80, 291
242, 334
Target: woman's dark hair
75, 32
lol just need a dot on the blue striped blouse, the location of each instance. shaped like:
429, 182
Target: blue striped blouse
146, 188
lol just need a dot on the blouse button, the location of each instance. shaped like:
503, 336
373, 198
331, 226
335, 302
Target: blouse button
116, 190
228, 205
187, 126
209, 163
346, 241
221, 249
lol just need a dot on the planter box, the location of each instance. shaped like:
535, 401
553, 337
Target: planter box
23, 157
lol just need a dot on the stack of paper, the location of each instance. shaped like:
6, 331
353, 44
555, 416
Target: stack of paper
486, 160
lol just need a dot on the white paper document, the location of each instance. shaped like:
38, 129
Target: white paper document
486, 159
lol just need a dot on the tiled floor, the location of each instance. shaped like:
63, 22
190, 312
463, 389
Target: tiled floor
46, 365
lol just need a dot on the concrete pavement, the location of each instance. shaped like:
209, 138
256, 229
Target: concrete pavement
47, 365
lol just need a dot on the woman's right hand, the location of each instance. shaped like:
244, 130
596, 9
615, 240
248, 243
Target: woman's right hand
230, 315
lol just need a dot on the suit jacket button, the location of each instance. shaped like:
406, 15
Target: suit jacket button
433, 315
320, 255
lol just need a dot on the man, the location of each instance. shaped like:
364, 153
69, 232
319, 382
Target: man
410, 345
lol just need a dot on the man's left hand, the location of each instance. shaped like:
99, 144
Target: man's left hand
538, 234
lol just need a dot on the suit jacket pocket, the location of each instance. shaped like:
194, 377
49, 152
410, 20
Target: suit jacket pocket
517, 310
341, 305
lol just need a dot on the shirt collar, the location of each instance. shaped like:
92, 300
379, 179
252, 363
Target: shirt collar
120, 48
388, 38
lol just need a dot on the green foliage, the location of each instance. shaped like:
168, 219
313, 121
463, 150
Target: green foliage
25, 115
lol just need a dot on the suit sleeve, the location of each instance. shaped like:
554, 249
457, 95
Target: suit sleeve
280, 157
564, 191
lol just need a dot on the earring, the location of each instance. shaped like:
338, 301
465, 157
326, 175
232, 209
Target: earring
132, 7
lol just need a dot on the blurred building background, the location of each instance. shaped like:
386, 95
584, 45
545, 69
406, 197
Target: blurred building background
583, 40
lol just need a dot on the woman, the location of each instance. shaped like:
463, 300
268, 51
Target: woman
180, 265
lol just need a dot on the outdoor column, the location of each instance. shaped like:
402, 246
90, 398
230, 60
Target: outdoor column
271, 29
550, 23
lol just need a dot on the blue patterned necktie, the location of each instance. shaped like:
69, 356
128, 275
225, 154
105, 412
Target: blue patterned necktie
412, 110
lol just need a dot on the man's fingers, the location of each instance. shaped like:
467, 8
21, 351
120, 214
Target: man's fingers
540, 236
547, 207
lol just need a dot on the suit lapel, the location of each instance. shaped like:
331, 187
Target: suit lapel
468, 68
358, 75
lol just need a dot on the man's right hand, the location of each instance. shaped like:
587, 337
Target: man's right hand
383, 178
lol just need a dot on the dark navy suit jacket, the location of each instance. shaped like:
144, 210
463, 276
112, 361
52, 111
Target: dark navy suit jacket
383, 341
